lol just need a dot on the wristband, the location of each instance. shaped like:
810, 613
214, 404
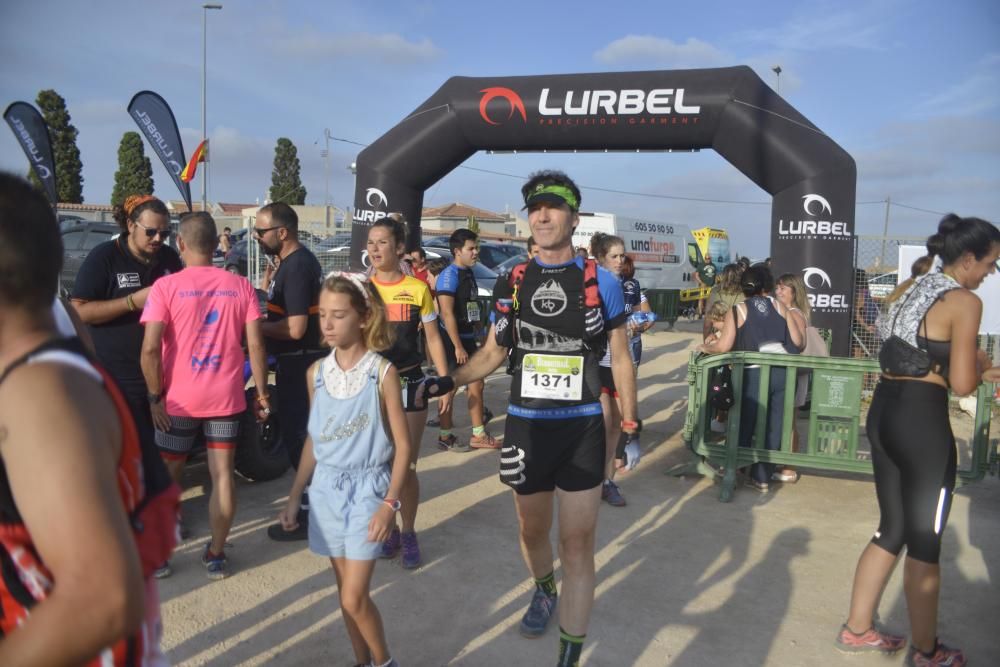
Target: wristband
130, 303
630, 426
392, 503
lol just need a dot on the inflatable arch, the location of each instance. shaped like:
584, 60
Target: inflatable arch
812, 180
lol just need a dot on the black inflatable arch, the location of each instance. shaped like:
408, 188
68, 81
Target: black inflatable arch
812, 180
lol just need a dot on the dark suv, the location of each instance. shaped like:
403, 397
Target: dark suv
78, 240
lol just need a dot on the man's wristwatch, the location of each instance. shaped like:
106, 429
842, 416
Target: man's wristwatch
393, 503
154, 398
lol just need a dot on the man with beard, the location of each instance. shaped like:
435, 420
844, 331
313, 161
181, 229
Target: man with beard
292, 333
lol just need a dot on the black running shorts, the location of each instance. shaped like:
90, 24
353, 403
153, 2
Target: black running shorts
542, 454
409, 383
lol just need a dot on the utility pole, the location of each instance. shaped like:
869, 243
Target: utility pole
885, 228
325, 154
204, 95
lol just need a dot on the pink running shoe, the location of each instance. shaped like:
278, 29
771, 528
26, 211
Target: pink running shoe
944, 656
872, 640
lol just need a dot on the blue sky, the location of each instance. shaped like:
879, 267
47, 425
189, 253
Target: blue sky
910, 89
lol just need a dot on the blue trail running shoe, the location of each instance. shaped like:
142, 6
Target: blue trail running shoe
535, 620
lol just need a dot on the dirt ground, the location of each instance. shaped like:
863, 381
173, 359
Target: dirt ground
682, 579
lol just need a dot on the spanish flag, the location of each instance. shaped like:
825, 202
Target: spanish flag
192, 166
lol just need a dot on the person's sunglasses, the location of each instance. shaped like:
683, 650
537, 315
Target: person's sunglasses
260, 231
150, 232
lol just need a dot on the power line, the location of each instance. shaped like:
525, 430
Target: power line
653, 195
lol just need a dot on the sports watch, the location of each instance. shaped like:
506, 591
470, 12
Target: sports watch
154, 398
393, 503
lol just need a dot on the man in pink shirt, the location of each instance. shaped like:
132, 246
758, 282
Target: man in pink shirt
192, 359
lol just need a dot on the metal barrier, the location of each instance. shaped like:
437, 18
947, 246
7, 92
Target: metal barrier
835, 412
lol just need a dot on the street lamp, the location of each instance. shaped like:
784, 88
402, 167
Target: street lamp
204, 88
326, 156
777, 77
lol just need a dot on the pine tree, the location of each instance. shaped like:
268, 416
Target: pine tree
286, 185
69, 179
135, 171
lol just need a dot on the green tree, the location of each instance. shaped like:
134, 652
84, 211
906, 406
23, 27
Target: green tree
135, 171
286, 185
69, 179
473, 224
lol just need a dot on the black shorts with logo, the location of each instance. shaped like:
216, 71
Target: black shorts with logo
543, 454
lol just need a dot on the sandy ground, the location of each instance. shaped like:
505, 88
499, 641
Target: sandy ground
682, 579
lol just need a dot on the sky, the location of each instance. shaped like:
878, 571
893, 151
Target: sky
910, 88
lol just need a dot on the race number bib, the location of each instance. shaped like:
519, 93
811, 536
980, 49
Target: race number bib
552, 376
472, 312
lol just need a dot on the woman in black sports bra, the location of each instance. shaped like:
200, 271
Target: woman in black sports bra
929, 346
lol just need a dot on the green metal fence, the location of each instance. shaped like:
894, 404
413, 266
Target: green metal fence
834, 419
665, 303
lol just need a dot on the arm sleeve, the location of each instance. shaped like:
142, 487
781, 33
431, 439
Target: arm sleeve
155, 309
427, 312
447, 282
250, 298
612, 298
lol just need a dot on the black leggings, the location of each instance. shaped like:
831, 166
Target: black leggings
913, 452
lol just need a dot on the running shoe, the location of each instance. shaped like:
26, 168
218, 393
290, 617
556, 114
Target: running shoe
451, 444
434, 421
411, 551
789, 476
216, 564
611, 494
163, 571
484, 441
390, 548
944, 656
758, 486
872, 640
539, 612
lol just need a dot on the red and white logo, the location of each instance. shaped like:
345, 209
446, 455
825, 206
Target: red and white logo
516, 104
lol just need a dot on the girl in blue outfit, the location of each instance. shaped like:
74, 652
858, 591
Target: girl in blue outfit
356, 480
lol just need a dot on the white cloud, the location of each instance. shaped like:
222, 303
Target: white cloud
977, 92
848, 29
387, 48
649, 51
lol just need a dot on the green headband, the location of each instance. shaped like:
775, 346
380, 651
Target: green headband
560, 191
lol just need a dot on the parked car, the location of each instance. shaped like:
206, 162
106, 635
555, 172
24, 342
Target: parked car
490, 254
508, 265
78, 240
236, 258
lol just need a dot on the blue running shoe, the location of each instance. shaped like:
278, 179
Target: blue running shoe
535, 620
216, 564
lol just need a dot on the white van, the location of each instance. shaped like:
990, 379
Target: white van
665, 254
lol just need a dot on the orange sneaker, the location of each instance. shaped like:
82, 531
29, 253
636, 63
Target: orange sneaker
484, 441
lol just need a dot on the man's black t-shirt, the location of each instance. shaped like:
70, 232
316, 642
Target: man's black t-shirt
295, 291
460, 284
109, 272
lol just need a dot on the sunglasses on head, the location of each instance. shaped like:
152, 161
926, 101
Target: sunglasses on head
151, 232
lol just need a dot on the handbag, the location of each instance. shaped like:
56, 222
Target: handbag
720, 388
815, 344
898, 357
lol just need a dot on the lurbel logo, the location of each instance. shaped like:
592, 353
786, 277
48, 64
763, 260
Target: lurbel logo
513, 99
815, 205
618, 102
809, 273
379, 197
809, 200
821, 298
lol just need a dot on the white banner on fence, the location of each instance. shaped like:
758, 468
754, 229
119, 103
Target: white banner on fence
989, 291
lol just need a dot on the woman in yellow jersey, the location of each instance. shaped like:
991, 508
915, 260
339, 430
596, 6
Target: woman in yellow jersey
408, 302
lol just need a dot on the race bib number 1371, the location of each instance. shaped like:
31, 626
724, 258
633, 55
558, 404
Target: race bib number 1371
552, 376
